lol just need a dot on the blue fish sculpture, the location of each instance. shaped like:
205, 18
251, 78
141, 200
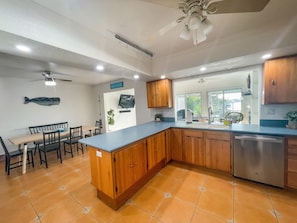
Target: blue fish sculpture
43, 101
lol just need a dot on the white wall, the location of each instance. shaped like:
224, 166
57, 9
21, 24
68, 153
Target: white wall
77, 106
122, 119
143, 114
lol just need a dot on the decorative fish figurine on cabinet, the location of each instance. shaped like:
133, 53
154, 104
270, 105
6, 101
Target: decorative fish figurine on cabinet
43, 101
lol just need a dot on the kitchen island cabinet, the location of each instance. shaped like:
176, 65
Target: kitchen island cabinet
118, 174
280, 80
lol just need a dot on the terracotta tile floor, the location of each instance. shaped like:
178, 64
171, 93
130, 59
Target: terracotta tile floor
177, 194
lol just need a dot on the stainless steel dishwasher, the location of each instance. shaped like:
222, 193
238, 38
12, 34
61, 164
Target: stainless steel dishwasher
259, 158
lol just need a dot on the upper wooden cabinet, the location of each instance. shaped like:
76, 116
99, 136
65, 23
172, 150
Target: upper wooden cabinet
280, 80
159, 94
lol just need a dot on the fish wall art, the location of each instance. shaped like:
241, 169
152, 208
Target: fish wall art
43, 101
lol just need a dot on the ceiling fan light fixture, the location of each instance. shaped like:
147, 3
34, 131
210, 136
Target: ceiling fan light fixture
198, 37
186, 33
50, 82
194, 21
206, 26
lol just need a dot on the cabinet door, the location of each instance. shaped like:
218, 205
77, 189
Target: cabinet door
151, 95
176, 144
130, 165
156, 149
101, 171
218, 151
193, 147
159, 93
292, 163
280, 80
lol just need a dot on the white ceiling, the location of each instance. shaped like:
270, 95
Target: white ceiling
71, 37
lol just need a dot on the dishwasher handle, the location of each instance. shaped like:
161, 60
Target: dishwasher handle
259, 138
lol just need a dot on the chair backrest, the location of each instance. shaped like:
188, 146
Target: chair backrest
4, 146
76, 133
48, 127
99, 125
51, 137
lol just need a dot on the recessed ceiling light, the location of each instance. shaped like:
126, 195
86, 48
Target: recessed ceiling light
202, 68
163, 76
266, 56
23, 48
99, 67
136, 76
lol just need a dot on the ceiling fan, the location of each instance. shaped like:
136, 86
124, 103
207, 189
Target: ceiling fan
50, 80
196, 23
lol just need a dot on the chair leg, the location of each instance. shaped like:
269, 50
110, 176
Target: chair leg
71, 150
59, 151
64, 149
40, 156
8, 165
45, 159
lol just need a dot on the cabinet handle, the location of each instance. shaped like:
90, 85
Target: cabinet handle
273, 82
131, 165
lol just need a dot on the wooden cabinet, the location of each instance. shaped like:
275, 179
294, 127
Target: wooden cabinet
193, 147
119, 174
155, 149
291, 176
130, 165
176, 144
218, 150
280, 80
159, 94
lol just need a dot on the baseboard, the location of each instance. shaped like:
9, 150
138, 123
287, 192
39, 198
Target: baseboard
2, 158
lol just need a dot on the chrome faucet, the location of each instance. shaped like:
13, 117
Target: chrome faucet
209, 115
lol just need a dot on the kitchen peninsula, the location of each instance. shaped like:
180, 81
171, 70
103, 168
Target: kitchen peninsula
123, 161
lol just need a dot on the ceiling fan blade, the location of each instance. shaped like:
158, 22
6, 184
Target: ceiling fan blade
237, 6
66, 80
167, 3
167, 28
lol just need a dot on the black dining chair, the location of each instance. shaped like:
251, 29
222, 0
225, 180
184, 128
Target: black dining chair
10, 163
75, 135
97, 131
51, 142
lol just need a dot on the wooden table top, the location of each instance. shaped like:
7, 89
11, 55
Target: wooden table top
19, 140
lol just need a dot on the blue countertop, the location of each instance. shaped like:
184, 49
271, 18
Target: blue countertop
114, 140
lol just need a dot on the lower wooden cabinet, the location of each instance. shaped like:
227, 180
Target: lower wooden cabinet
218, 151
156, 149
211, 149
176, 144
291, 170
119, 174
130, 165
193, 147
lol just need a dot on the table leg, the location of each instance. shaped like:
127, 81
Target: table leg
24, 158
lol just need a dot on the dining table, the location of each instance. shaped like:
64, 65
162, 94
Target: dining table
22, 141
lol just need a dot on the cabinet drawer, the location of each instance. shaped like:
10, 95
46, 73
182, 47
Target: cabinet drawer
218, 135
193, 133
292, 165
292, 180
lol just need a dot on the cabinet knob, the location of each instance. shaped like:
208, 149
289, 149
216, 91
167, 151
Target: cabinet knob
273, 82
